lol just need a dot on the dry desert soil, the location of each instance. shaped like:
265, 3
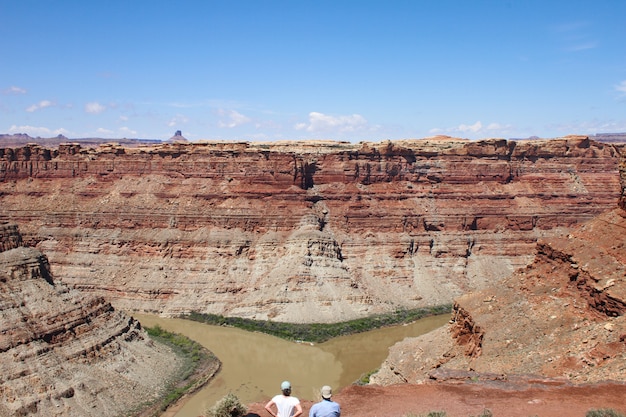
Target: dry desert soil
471, 399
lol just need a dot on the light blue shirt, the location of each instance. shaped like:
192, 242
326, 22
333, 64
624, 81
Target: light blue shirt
325, 408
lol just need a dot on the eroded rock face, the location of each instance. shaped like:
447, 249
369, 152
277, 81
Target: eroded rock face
10, 237
300, 231
560, 317
64, 353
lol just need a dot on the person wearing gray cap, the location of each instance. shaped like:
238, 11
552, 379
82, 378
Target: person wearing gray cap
286, 405
326, 407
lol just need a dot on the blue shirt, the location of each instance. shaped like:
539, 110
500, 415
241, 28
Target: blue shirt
325, 408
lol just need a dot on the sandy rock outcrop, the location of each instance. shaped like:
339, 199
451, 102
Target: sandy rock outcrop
300, 231
64, 353
561, 317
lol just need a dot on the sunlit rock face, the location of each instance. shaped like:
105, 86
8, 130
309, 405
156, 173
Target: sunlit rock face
563, 316
67, 353
300, 231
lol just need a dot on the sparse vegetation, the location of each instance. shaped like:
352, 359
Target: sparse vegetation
365, 378
603, 412
193, 354
192, 350
319, 332
229, 406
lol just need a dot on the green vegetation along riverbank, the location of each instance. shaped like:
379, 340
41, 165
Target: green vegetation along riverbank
199, 366
319, 332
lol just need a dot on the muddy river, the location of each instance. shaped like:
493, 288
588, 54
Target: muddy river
254, 364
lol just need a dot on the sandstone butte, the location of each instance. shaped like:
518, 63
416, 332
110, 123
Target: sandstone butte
324, 231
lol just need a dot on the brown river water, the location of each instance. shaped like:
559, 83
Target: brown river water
254, 364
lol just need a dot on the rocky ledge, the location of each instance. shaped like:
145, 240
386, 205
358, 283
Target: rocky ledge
63, 353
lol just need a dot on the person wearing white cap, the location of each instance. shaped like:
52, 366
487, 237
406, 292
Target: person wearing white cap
286, 404
326, 407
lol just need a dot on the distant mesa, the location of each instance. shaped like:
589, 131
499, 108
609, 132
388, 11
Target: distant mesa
23, 139
610, 137
178, 138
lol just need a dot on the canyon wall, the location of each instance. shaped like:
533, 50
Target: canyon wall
64, 353
300, 231
561, 317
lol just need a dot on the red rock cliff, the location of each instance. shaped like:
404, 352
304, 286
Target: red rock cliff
563, 316
300, 231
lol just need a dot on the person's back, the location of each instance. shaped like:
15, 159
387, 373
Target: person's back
285, 404
326, 407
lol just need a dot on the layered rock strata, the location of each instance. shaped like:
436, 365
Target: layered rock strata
560, 317
300, 231
64, 353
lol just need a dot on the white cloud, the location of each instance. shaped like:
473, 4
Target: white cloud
476, 129
14, 90
37, 131
123, 118
498, 127
231, 118
94, 107
471, 128
319, 122
41, 105
127, 131
177, 120
621, 87
104, 131
589, 127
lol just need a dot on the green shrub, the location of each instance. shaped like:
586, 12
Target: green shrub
192, 353
191, 349
436, 414
364, 379
603, 412
229, 406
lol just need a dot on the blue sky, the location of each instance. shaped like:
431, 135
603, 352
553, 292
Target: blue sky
291, 70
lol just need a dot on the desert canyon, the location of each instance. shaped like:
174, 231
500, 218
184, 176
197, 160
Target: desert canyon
524, 238
64, 353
